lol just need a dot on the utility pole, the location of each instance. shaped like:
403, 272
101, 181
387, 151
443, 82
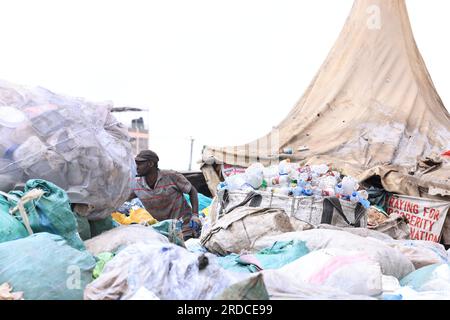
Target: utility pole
190, 158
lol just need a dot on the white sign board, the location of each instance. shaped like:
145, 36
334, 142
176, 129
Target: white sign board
426, 216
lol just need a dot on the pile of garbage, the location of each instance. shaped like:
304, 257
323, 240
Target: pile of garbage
76, 144
291, 179
249, 253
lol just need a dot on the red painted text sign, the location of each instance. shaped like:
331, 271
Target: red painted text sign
426, 216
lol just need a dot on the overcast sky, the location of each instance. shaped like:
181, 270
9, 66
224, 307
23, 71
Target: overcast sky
223, 72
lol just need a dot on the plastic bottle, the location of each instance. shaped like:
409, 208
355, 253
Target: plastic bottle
235, 182
284, 167
320, 169
315, 178
284, 191
254, 179
179, 226
354, 198
349, 185
363, 194
303, 176
307, 190
339, 190
284, 180
222, 185
263, 185
365, 203
302, 183
297, 191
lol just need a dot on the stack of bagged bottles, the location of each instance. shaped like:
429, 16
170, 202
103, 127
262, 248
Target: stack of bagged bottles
291, 179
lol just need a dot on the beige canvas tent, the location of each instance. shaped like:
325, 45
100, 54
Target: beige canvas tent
372, 109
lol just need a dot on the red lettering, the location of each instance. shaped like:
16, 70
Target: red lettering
408, 216
422, 235
435, 215
391, 201
402, 205
413, 220
416, 208
412, 233
408, 206
425, 211
420, 222
431, 224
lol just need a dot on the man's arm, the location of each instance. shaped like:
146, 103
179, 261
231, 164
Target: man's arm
193, 195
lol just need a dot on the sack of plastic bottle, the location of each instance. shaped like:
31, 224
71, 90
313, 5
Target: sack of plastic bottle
75, 144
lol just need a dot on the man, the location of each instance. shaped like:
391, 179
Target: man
161, 192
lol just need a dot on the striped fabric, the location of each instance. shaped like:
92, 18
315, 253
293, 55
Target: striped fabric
165, 200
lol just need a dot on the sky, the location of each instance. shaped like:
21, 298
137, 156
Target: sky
221, 72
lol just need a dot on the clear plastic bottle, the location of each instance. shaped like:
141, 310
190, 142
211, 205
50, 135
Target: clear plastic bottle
284, 167
363, 194
349, 185
297, 191
284, 180
222, 185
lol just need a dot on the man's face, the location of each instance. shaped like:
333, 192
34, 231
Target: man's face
143, 168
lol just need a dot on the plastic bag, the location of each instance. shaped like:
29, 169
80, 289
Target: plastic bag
137, 215
103, 258
6, 293
392, 261
77, 145
168, 271
407, 293
280, 254
51, 212
421, 253
248, 289
10, 227
121, 237
45, 267
203, 201
287, 285
349, 271
170, 229
434, 277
